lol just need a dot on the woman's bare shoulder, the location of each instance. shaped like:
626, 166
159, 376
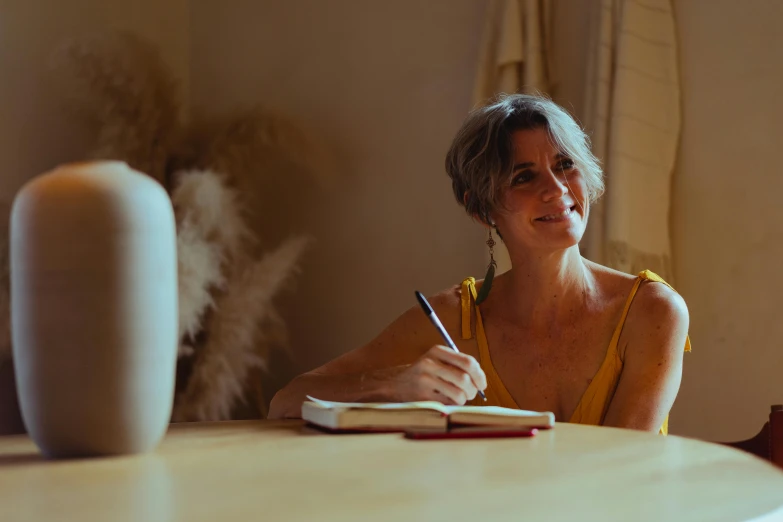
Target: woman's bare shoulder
604, 272
447, 299
657, 311
658, 304
447, 306
613, 283
651, 295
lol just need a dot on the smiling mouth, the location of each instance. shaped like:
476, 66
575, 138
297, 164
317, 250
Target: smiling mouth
559, 215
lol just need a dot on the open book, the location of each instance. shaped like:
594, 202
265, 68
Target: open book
400, 416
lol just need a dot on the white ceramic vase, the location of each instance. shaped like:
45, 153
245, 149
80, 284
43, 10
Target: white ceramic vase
94, 309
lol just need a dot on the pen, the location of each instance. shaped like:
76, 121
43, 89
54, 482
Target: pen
435, 321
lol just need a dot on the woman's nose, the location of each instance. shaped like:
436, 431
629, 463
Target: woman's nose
554, 185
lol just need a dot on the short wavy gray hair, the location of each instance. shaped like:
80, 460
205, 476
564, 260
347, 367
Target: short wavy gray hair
481, 157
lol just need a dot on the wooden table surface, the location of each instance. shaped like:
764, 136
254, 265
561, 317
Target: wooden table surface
261, 470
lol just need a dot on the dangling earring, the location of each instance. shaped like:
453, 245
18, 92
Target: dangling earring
487, 285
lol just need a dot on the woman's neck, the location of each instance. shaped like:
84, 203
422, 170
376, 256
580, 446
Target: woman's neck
545, 288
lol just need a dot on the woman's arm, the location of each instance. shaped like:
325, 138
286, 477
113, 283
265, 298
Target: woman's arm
654, 337
404, 363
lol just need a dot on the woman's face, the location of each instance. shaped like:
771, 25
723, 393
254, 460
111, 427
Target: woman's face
545, 206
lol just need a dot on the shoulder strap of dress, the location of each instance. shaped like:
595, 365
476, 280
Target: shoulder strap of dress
613, 345
468, 292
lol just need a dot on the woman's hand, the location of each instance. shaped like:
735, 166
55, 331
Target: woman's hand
403, 363
441, 374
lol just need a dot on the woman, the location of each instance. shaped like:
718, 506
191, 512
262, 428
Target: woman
555, 333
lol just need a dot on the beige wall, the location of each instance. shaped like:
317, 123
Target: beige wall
385, 84
35, 134
728, 217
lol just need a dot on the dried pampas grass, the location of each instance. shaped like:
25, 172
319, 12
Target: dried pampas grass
238, 334
230, 269
120, 87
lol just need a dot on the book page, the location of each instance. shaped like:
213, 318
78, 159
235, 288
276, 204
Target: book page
421, 405
428, 405
485, 415
490, 410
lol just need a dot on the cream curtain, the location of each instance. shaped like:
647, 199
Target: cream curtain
514, 58
632, 110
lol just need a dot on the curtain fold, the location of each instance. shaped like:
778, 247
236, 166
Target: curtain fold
632, 110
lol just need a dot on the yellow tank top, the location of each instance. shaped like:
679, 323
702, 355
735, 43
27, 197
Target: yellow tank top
595, 401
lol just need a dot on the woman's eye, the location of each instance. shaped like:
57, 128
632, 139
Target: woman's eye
522, 177
566, 164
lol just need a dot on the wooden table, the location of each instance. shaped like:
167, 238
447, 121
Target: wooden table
277, 471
